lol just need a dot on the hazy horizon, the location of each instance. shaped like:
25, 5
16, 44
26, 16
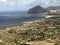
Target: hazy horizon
24, 5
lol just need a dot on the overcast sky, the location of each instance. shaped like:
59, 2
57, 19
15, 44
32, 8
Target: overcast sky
11, 5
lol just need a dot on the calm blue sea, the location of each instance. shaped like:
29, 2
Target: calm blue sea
15, 19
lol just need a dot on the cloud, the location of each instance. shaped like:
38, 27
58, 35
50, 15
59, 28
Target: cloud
26, 4
16, 2
46, 3
3, 0
31, 2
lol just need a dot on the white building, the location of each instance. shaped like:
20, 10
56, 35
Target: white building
52, 11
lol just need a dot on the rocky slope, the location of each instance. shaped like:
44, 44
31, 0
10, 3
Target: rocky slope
53, 8
37, 9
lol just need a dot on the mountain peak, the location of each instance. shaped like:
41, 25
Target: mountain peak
37, 9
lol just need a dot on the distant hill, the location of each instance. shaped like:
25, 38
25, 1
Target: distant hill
37, 9
53, 7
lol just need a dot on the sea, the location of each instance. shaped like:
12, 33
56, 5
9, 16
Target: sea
12, 19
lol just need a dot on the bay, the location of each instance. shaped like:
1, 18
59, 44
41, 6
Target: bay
10, 19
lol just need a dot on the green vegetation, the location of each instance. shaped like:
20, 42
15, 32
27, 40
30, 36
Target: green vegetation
42, 31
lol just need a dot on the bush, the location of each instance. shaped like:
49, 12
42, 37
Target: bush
12, 31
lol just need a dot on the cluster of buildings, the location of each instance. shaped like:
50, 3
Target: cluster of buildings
54, 12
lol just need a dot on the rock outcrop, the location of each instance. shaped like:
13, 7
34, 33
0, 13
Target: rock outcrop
37, 9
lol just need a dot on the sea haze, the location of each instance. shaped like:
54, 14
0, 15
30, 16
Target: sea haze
10, 19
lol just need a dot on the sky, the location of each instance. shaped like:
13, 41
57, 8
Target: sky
22, 5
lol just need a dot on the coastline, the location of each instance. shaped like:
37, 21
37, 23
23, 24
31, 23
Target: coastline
49, 27
27, 22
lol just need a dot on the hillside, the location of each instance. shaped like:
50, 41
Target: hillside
37, 9
44, 32
53, 7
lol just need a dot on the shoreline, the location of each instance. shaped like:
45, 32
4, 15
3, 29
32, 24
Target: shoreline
44, 30
37, 20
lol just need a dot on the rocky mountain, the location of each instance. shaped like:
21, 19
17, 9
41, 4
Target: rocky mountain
37, 9
53, 7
